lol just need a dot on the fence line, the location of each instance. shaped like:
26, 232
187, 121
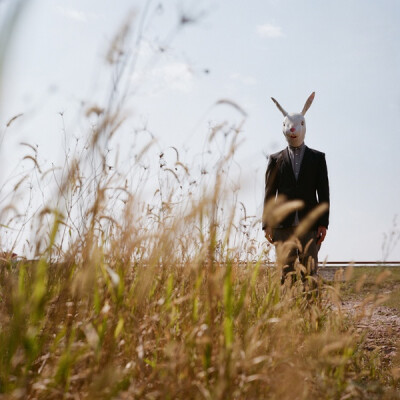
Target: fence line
338, 264
344, 264
360, 264
322, 264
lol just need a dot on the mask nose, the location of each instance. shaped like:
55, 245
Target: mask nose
292, 129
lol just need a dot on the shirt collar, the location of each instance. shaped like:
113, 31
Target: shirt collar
301, 147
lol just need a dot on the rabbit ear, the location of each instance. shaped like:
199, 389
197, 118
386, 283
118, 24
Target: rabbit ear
308, 103
280, 107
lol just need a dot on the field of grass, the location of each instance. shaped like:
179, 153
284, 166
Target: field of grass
148, 282
165, 297
163, 331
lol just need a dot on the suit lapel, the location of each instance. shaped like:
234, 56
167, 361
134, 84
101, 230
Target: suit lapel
288, 164
304, 162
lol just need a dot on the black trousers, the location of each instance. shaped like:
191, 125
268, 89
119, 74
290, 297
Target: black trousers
289, 248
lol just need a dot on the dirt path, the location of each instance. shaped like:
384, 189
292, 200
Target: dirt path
381, 325
328, 274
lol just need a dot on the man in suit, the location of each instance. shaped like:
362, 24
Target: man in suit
297, 173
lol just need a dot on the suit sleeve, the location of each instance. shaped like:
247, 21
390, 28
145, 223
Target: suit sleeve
323, 191
271, 185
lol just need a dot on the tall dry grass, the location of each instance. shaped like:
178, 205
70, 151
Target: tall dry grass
165, 296
169, 300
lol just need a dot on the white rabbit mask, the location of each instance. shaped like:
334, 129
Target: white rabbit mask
294, 124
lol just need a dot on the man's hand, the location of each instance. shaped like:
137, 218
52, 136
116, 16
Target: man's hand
321, 234
268, 234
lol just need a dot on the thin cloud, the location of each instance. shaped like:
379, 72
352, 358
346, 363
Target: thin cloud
177, 76
73, 14
269, 31
245, 79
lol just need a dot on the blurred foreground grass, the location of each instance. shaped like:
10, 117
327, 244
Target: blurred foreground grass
199, 330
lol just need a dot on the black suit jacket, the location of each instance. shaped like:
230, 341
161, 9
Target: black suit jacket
312, 186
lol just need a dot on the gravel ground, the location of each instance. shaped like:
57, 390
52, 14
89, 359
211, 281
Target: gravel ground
379, 324
381, 327
328, 273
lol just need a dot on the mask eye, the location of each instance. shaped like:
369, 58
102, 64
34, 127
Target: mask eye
302, 122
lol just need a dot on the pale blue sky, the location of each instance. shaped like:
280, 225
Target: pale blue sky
348, 52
